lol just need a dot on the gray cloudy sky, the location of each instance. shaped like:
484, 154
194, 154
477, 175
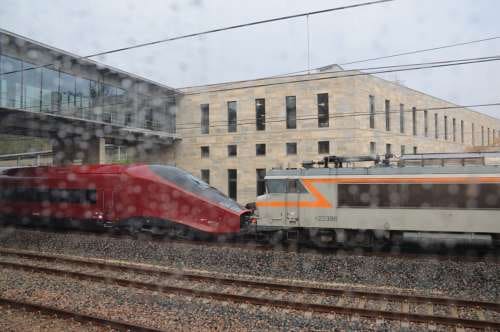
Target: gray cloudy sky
85, 27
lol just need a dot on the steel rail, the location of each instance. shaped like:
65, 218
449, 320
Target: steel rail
79, 317
294, 305
493, 256
179, 275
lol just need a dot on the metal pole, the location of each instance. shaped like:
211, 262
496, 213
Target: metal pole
308, 47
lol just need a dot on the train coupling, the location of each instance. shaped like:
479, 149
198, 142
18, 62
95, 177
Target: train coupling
248, 223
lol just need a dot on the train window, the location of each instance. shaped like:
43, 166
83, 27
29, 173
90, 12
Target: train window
75, 196
275, 186
194, 185
458, 196
295, 186
281, 186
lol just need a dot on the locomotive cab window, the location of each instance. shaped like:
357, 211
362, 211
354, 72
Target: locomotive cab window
281, 186
294, 186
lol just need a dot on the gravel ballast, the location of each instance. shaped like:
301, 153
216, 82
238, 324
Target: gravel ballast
450, 277
170, 312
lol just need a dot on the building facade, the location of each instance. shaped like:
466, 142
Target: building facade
228, 134
40, 78
45, 90
232, 133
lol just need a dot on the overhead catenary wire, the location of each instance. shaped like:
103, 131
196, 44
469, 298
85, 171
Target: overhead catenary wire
268, 119
391, 68
380, 70
224, 123
210, 31
358, 74
358, 61
377, 133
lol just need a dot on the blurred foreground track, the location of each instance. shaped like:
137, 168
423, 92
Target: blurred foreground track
473, 254
432, 311
74, 316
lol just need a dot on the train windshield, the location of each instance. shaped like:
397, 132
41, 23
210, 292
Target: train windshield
194, 185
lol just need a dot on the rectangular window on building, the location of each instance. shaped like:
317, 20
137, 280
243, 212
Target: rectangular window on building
445, 127
260, 149
323, 110
402, 149
401, 118
388, 149
414, 120
232, 150
436, 126
372, 111
291, 112
324, 147
261, 184
494, 136
129, 118
260, 114
205, 152
462, 131
489, 136
205, 175
473, 131
205, 118
148, 118
387, 115
373, 148
454, 128
232, 183
232, 118
482, 135
414, 150
426, 123
291, 148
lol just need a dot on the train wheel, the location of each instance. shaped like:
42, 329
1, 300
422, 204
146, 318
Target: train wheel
276, 238
134, 227
322, 239
360, 238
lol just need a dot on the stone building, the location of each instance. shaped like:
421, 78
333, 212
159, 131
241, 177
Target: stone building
229, 134
233, 132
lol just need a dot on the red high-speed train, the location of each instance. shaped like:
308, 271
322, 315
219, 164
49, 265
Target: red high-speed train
156, 198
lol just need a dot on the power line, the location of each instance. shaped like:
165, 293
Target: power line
197, 34
421, 50
238, 26
268, 119
377, 133
223, 123
384, 70
364, 60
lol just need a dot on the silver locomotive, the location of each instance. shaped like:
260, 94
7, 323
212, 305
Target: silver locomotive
370, 205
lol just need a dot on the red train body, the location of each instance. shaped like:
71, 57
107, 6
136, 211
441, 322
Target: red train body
137, 197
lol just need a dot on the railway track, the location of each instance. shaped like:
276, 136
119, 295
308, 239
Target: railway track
432, 311
74, 316
481, 255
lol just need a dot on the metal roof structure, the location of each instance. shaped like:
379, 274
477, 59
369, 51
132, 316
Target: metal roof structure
387, 171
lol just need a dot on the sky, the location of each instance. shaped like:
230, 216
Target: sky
86, 27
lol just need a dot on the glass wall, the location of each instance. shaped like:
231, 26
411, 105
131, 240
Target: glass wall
23, 86
32, 81
82, 97
67, 93
50, 90
10, 82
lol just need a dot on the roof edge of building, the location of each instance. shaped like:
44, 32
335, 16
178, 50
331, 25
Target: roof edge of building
84, 59
289, 79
